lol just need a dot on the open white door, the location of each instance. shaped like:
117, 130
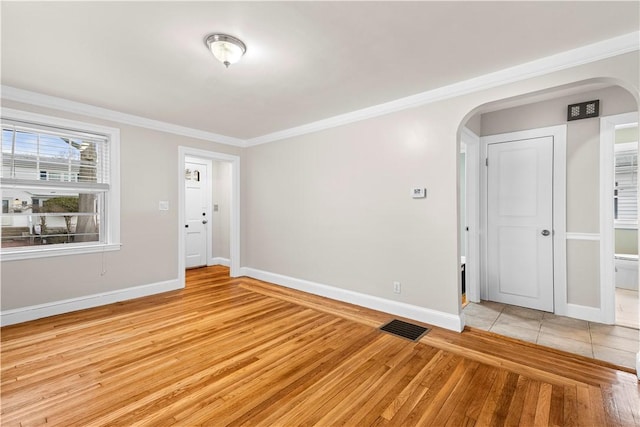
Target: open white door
520, 269
197, 211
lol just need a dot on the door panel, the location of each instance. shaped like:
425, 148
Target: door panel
197, 201
519, 210
517, 246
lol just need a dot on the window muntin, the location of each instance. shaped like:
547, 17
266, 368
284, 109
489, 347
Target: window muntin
58, 185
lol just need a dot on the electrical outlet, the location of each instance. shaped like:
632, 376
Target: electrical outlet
396, 287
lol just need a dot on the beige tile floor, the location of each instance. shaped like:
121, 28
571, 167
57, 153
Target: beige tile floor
614, 344
627, 308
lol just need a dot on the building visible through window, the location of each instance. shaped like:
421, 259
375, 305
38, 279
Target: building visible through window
57, 184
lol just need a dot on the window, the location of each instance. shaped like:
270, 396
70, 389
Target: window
61, 181
625, 204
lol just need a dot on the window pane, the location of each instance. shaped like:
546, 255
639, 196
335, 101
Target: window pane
7, 140
55, 184
38, 155
26, 144
46, 219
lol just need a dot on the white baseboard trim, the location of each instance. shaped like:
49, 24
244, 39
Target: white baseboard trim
220, 261
583, 312
437, 318
25, 314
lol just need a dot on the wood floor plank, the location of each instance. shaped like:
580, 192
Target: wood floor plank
240, 352
480, 392
528, 415
493, 399
570, 406
440, 378
596, 406
556, 410
455, 395
505, 399
404, 404
378, 396
543, 405
515, 410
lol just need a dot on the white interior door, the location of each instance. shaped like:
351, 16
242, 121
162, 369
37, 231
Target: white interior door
197, 211
520, 223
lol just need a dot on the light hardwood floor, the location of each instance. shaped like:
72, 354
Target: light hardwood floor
242, 352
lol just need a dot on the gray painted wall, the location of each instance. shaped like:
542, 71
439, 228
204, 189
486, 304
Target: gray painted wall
342, 214
332, 207
222, 218
149, 173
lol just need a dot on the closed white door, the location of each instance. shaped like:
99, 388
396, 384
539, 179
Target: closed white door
520, 222
197, 208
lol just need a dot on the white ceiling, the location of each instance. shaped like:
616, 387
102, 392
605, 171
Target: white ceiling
305, 61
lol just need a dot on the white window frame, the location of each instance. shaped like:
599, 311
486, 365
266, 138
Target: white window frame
112, 197
625, 224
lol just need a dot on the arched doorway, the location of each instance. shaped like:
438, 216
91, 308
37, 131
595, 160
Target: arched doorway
583, 302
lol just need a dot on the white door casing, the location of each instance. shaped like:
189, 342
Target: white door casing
471, 143
608, 125
234, 231
197, 232
520, 223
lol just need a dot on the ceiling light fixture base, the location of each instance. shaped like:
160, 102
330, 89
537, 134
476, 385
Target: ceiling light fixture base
227, 49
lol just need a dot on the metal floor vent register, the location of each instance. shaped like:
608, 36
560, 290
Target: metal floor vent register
404, 330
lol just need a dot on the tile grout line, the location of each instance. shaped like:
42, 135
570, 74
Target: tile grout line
497, 317
591, 331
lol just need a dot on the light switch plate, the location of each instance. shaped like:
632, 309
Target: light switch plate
163, 205
418, 193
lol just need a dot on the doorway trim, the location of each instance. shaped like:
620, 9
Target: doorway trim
607, 240
559, 134
234, 229
470, 143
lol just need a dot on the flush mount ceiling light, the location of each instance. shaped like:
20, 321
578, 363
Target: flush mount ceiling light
227, 49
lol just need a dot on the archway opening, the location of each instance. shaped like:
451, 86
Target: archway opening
588, 298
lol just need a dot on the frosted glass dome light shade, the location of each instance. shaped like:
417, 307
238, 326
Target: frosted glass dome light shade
227, 49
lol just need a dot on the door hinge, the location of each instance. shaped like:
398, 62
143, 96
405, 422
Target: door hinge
486, 161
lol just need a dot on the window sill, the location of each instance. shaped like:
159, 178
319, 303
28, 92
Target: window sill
20, 254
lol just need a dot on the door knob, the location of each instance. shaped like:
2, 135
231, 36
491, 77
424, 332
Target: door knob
545, 232
204, 221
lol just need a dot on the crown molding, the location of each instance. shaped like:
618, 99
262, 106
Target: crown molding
571, 58
47, 101
568, 59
